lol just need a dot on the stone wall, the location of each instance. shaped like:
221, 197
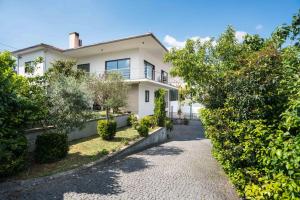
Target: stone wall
89, 130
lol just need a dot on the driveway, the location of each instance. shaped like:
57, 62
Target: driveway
182, 168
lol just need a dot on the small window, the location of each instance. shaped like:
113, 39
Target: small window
149, 70
173, 95
164, 76
146, 95
29, 67
84, 67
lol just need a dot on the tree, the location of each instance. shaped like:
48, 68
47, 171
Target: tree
109, 90
68, 97
251, 93
160, 107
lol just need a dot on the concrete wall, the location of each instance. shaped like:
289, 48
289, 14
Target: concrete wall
39, 70
89, 130
157, 137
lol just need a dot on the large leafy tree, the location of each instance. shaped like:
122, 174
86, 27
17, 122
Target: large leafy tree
251, 93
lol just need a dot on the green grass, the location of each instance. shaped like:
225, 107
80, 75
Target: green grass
81, 152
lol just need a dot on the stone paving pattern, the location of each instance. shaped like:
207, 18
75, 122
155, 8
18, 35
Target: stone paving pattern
182, 168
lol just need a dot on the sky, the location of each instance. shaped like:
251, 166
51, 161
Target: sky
26, 23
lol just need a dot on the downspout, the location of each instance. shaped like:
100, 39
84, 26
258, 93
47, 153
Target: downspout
45, 61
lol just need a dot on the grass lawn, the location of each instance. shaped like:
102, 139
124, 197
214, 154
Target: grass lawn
81, 152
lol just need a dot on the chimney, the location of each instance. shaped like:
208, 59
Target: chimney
74, 41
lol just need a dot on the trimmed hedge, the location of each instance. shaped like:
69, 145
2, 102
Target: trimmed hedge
107, 129
51, 147
149, 121
13, 151
143, 130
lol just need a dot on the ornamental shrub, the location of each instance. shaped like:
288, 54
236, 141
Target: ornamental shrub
107, 129
143, 130
132, 120
149, 121
169, 124
160, 107
51, 147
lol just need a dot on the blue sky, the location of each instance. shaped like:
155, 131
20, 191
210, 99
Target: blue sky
26, 23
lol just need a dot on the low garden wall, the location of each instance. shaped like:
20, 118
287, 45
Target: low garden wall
157, 137
89, 130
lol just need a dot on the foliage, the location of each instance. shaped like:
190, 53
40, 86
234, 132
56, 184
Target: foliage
107, 129
13, 108
132, 120
51, 147
160, 107
169, 124
68, 99
149, 121
251, 93
143, 130
109, 90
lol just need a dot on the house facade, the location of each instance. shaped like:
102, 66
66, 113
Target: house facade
138, 58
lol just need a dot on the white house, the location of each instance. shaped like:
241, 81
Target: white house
138, 58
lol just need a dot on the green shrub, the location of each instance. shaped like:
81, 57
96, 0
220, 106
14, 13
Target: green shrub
107, 129
143, 130
51, 147
104, 152
148, 121
160, 107
132, 120
169, 124
13, 152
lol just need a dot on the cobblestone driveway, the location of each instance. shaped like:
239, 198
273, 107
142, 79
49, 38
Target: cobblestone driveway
180, 169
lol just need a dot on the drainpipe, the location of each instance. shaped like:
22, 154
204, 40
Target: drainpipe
45, 61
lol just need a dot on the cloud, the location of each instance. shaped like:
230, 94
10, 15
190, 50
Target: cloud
259, 27
239, 35
174, 43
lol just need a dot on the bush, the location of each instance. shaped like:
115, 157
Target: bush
149, 121
160, 107
13, 151
51, 147
107, 129
169, 124
132, 120
143, 130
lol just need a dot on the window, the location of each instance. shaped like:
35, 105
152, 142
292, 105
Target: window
164, 76
173, 95
149, 70
84, 67
121, 66
29, 67
147, 95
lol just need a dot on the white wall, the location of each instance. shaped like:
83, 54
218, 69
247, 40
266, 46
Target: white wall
147, 108
52, 56
31, 57
97, 62
156, 60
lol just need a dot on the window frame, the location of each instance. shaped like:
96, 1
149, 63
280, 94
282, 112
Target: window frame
28, 64
129, 64
161, 76
153, 69
147, 96
85, 64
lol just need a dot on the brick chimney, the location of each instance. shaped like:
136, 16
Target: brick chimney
74, 41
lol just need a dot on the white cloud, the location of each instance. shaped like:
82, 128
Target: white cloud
174, 43
239, 35
259, 27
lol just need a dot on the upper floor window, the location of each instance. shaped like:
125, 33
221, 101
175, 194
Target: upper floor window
84, 67
149, 70
121, 66
164, 76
